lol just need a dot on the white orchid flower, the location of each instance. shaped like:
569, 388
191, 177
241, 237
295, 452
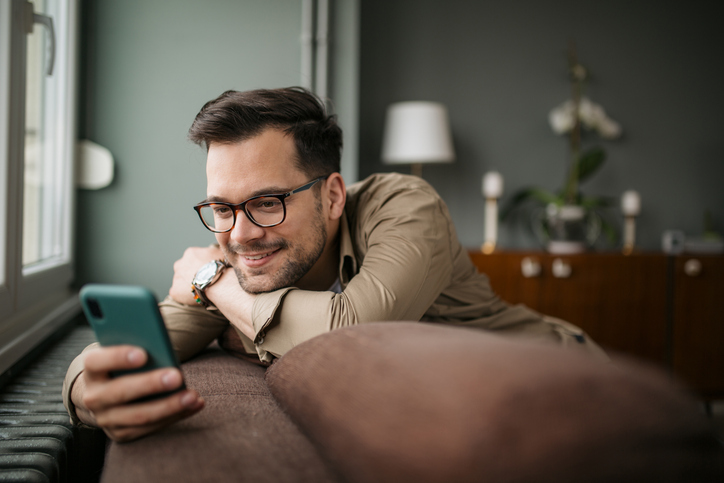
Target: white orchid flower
591, 115
561, 118
609, 129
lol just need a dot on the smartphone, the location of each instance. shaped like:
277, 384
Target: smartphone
129, 314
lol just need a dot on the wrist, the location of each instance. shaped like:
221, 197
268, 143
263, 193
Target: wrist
78, 412
224, 286
206, 277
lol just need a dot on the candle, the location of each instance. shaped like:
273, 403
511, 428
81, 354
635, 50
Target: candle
492, 185
491, 225
630, 203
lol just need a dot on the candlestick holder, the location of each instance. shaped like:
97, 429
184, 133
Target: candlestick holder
492, 190
631, 208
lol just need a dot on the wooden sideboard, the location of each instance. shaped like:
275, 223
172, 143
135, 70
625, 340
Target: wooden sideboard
666, 309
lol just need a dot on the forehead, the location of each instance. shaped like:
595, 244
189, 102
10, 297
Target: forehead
262, 164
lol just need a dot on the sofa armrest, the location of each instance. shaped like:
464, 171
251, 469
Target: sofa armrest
421, 402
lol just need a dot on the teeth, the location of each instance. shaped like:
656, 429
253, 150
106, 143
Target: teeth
258, 257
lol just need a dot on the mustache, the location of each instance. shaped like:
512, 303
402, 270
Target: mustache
239, 249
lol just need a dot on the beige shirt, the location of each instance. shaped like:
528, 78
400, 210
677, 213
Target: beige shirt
400, 259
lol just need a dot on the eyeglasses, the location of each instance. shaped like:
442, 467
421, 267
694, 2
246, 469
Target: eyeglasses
263, 210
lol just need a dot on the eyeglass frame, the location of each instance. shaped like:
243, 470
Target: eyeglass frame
242, 206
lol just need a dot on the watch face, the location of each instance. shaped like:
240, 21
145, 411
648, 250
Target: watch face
206, 273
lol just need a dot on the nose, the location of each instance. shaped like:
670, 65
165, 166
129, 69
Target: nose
244, 230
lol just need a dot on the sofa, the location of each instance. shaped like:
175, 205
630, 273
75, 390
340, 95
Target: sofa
403, 401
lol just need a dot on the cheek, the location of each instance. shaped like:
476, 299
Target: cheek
295, 232
222, 238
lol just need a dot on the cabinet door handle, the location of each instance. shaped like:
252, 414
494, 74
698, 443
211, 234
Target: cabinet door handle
561, 269
692, 267
530, 267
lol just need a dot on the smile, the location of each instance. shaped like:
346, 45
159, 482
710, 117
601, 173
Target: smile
257, 257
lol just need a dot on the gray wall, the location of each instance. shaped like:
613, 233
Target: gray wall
500, 67
148, 67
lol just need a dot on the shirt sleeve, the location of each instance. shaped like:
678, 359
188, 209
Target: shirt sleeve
407, 262
191, 328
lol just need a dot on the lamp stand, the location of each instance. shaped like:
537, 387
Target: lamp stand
416, 169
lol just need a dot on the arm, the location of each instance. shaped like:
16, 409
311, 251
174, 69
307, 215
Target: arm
407, 262
233, 303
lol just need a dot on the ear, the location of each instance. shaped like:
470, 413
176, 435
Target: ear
336, 195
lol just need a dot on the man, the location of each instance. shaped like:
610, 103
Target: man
307, 255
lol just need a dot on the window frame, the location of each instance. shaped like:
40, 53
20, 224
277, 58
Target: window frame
35, 301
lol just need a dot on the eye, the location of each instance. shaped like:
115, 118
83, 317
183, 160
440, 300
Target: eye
221, 210
267, 204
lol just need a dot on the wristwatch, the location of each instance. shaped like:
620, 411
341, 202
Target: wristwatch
207, 275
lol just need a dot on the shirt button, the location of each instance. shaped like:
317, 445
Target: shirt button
261, 340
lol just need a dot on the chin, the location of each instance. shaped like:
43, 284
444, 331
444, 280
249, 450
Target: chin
256, 284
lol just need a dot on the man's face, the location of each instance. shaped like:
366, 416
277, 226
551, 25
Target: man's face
266, 259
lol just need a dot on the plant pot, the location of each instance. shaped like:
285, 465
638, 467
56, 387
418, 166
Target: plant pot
566, 229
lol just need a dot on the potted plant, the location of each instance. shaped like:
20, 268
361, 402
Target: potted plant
569, 221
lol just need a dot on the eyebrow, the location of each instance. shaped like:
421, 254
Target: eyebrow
271, 190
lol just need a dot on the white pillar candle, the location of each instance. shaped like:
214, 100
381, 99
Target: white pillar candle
631, 203
491, 225
492, 185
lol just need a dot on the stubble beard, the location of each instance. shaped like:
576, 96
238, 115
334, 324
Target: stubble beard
299, 261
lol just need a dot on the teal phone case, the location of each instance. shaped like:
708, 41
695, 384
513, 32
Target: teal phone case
128, 314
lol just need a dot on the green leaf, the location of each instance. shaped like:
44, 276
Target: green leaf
589, 162
590, 202
609, 231
525, 194
545, 196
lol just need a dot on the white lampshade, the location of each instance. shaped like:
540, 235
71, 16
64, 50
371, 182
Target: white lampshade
417, 132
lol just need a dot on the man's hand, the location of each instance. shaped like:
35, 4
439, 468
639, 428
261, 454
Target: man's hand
106, 402
226, 294
184, 271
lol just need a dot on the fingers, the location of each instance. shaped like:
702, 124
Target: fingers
184, 271
185, 268
180, 289
132, 421
104, 393
109, 403
100, 362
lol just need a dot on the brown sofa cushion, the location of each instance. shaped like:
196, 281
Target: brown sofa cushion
393, 402
241, 435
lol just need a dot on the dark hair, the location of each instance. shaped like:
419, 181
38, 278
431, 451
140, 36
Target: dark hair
236, 116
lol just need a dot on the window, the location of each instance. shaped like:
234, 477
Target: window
37, 135
42, 218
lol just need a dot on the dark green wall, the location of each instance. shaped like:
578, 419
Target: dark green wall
147, 68
500, 67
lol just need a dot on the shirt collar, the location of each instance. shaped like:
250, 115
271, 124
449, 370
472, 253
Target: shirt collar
347, 260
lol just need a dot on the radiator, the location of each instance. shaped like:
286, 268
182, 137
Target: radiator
37, 441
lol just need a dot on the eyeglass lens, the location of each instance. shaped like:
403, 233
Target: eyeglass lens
264, 210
